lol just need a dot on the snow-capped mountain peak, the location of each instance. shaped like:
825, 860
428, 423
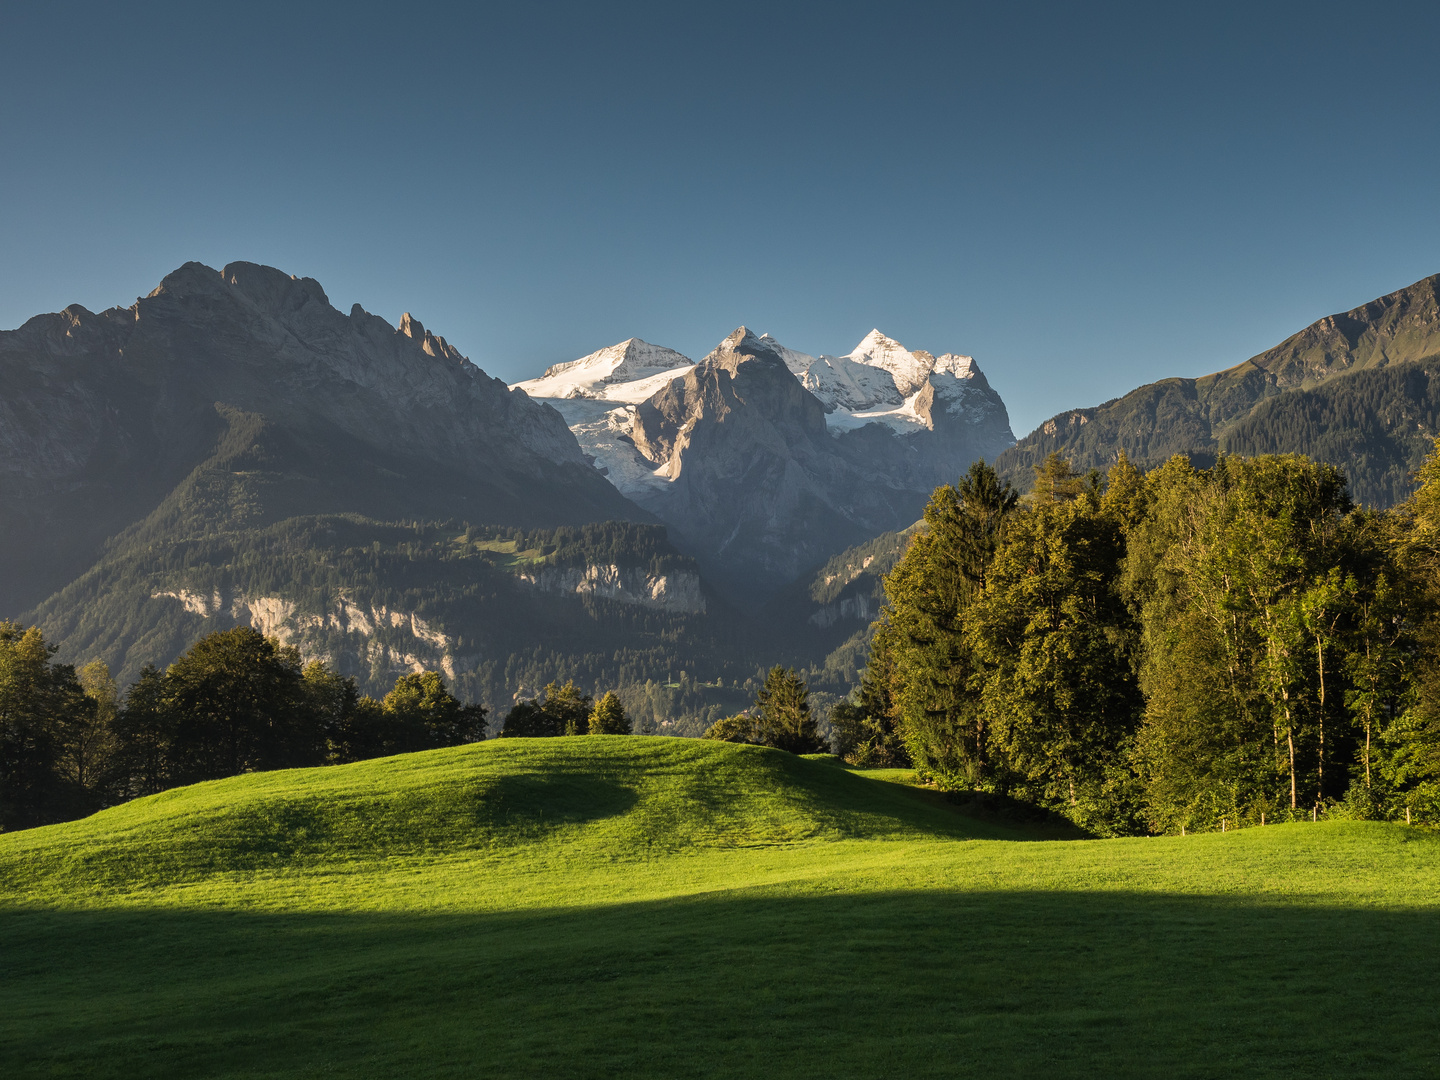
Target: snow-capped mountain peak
880, 382
909, 369
755, 474
630, 371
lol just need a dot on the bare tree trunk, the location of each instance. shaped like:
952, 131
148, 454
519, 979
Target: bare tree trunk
1367, 748
1320, 654
1290, 739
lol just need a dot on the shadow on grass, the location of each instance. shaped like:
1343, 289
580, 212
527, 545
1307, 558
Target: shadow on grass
540, 802
997, 809
898, 984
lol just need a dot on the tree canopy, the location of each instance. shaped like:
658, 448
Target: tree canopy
1167, 651
780, 717
234, 702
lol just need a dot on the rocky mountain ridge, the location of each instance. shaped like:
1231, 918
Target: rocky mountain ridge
353, 633
379, 637
232, 449
678, 592
1367, 369
103, 414
764, 460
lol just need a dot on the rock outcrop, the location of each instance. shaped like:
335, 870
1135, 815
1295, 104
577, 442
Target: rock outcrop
678, 592
371, 636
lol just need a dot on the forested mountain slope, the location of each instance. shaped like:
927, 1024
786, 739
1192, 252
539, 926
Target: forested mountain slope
1353, 389
499, 611
823, 619
249, 389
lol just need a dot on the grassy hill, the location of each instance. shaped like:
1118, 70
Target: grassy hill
664, 907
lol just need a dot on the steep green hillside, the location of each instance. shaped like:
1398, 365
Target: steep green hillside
655, 907
1377, 426
1371, 365
495, 609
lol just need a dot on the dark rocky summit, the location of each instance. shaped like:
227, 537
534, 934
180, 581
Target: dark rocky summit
248, 386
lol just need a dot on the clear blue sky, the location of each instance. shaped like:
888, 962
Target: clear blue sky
1083, 196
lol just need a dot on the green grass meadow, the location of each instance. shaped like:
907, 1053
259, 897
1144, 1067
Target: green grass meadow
678, 908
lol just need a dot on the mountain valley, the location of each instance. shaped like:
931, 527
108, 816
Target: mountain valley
233, 450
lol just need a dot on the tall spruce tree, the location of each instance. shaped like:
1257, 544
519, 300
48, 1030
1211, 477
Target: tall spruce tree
782, 714
922, 648
42, 708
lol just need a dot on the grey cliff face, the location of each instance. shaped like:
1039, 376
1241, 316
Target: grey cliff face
101, 415
761, 489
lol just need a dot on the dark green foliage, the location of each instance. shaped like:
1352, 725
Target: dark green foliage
1055, 481
1241, 575
235, 702
1406, 774
44, 714
426, 716
1176, 651
740, 728
609, 717
560, 710
570, 706
864, 738
928, 660
780, 717
782, 714
90, 751
1051, 639
1375, 425
528, 720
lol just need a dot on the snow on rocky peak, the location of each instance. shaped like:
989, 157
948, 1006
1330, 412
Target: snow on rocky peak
628, 372
909, 369
962, 367
879, 382
842, 383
